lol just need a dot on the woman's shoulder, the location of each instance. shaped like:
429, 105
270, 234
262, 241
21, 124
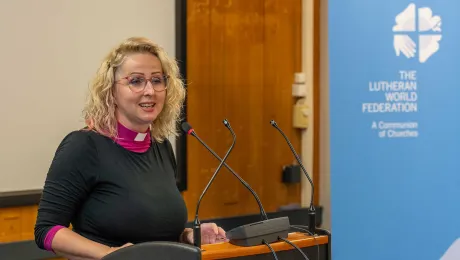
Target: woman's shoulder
81, 140
80, 136
164, 144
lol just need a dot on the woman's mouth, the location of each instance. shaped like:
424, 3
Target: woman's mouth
148, 107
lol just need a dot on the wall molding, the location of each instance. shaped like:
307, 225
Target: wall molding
20, 198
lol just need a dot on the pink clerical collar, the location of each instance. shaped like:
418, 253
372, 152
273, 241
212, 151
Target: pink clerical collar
133, 141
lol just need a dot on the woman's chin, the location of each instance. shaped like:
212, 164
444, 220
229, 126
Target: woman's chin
148, 115
147, 118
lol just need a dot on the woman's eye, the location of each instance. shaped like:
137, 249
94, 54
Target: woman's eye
136, 81
157, 81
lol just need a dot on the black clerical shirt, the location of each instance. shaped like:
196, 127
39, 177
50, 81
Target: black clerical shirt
110, 194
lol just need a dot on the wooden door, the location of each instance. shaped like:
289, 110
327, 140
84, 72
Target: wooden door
241, 60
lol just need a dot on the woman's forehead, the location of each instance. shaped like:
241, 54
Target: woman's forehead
142, 63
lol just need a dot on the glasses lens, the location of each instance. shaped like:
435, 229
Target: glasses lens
158, 83
137, 83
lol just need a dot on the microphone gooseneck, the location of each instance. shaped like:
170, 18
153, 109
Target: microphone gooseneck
196, 223
217, 170
311, 214
268, 230
187, 128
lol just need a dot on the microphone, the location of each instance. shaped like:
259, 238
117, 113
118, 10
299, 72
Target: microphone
196, 223
267, 230
311, 210
187, 128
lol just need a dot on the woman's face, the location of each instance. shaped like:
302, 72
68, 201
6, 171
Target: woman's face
138, 106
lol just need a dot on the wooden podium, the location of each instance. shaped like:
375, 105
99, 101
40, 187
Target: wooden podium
317, 248
283, 250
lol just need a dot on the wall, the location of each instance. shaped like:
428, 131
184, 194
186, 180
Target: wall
315, 141
17, 223
315, 66
325, 191
307, 68
50, 50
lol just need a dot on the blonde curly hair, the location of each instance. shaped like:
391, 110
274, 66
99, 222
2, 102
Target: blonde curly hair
99, 111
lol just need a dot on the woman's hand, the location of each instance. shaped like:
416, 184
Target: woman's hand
210, 234
113, 249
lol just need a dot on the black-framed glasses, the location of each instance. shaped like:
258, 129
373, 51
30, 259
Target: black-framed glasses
138, 83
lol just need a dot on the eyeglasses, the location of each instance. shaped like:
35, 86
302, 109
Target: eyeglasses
138, 83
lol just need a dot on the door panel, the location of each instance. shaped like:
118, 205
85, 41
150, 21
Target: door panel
241, 60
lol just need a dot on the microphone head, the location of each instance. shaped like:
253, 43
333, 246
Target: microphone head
226, 123
187, 128
273, 123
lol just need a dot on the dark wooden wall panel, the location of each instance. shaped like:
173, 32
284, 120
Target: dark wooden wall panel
241, 60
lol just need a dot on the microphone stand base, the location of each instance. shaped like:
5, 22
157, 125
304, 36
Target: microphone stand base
254, 234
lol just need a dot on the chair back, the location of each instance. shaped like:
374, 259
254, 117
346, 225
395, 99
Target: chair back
157, 250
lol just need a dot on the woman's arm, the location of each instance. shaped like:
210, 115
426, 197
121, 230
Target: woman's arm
70, 179
71, 245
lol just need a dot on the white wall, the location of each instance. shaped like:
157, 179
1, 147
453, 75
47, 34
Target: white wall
49, 52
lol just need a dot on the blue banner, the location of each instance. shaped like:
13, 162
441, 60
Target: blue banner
395, 129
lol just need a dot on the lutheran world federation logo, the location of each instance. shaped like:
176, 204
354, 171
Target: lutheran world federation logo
417, 30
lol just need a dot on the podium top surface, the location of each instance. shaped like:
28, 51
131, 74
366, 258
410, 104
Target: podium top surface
227, 250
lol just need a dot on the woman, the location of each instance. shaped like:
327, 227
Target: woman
115, 179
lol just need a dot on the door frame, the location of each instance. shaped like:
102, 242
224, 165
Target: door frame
181, 57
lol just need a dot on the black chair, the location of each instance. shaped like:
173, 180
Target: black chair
156, 250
